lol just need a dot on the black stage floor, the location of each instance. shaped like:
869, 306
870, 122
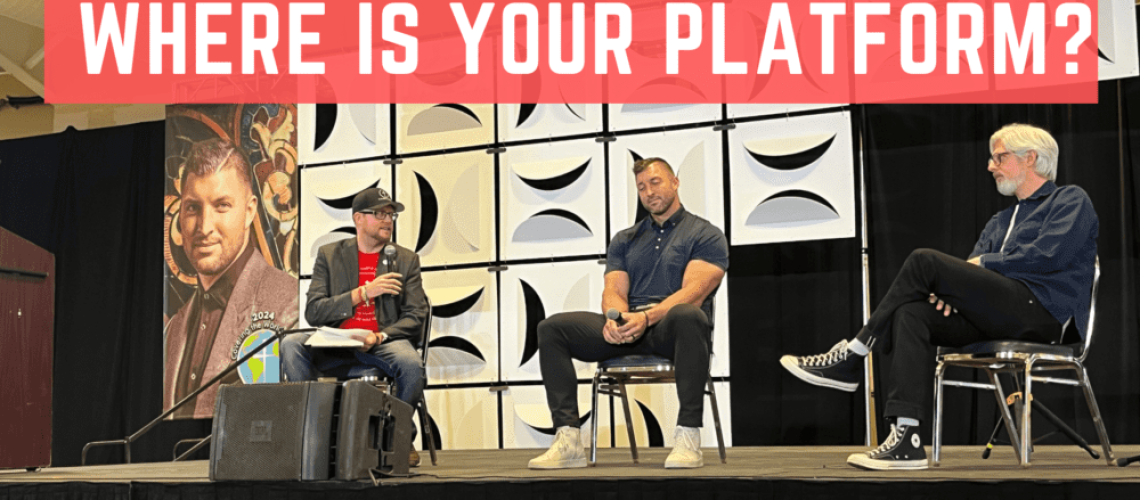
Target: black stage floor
751, 472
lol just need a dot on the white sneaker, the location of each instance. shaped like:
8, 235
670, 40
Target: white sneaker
566, 452
686, 449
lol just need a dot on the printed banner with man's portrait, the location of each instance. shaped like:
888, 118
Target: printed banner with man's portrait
230, 245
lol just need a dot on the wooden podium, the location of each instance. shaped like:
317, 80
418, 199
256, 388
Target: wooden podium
27, 319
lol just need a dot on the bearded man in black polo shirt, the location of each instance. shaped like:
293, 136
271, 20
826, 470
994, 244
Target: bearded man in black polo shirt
661, 274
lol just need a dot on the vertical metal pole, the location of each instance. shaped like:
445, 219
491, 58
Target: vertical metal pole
871, 432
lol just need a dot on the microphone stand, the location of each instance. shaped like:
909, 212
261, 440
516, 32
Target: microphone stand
126, 442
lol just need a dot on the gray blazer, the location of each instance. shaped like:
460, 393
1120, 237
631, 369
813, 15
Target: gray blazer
336, 274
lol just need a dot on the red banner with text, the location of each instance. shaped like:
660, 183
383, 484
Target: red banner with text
636, 51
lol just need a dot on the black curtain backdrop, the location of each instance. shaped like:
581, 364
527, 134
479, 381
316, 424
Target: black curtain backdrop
94, 199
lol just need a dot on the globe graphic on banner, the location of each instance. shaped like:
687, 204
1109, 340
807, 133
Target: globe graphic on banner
265, 366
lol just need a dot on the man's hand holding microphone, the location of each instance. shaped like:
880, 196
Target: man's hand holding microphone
624, 328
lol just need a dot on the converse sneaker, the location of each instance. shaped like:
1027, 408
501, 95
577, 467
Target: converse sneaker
566, 452
902, 450
686, 452
838, 368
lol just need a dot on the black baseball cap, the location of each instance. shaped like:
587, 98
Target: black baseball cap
373, 199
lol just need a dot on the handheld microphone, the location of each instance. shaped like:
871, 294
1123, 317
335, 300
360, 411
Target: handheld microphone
616, 316
390, 257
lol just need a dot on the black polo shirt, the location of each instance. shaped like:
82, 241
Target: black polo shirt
655, 256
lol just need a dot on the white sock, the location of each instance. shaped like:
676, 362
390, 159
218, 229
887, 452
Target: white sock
857, 347
906, 422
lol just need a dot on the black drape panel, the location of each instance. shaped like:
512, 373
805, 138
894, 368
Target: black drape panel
928, 187
798, 298
93, 198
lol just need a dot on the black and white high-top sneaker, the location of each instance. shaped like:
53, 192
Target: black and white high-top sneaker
902, 450
839, 368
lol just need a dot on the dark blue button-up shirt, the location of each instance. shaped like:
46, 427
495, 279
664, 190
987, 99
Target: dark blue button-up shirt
655, 256
1052, 249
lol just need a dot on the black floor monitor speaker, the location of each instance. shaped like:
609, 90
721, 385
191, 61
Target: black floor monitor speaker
374, 432
273, 432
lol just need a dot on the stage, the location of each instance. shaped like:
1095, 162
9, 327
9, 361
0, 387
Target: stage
751, 472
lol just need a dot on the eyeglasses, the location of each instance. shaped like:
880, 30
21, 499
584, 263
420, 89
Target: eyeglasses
997, 158
382, 215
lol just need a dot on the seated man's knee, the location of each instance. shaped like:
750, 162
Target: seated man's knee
550, 328
686, 312
293, 344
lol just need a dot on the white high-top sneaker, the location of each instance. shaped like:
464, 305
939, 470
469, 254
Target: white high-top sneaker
686, 449
566, 452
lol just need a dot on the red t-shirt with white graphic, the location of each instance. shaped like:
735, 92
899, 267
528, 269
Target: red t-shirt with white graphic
365, 316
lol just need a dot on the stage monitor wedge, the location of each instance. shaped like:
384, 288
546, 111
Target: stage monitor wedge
374, 432
276, 432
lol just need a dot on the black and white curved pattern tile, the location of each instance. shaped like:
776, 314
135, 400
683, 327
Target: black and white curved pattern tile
739, 110
527, 422
792, 179
549, 200
648, 49
1116, 40
465, 419
632, 116
520, 122
426, 127
653, 409
534, 292
465, 326
697, 159
450, 216
342, 132
326, 206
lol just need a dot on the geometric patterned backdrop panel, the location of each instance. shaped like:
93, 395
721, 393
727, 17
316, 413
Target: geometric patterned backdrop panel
450, 201
465, 326
1116, 40
549, 200
424, 127
520, 122
339, 132
637, 116
326, 209
465, 419
747, 110
533, 292
792, 179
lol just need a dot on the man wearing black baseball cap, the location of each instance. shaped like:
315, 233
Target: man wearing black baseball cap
357, 283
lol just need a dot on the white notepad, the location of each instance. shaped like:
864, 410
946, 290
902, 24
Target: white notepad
336, 337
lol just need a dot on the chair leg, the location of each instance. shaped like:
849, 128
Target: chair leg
594, 419
425, 424
628, 420
936, 455
716, 422
1026, 414
1094, 411
1006, 416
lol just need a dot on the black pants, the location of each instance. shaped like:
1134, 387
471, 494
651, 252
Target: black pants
684, 336
990, 307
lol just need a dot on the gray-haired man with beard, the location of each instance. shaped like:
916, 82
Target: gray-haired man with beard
1027, 279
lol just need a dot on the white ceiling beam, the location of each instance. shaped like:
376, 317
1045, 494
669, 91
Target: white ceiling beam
36, 58
21, 74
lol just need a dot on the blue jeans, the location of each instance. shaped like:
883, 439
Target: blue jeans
396, 358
